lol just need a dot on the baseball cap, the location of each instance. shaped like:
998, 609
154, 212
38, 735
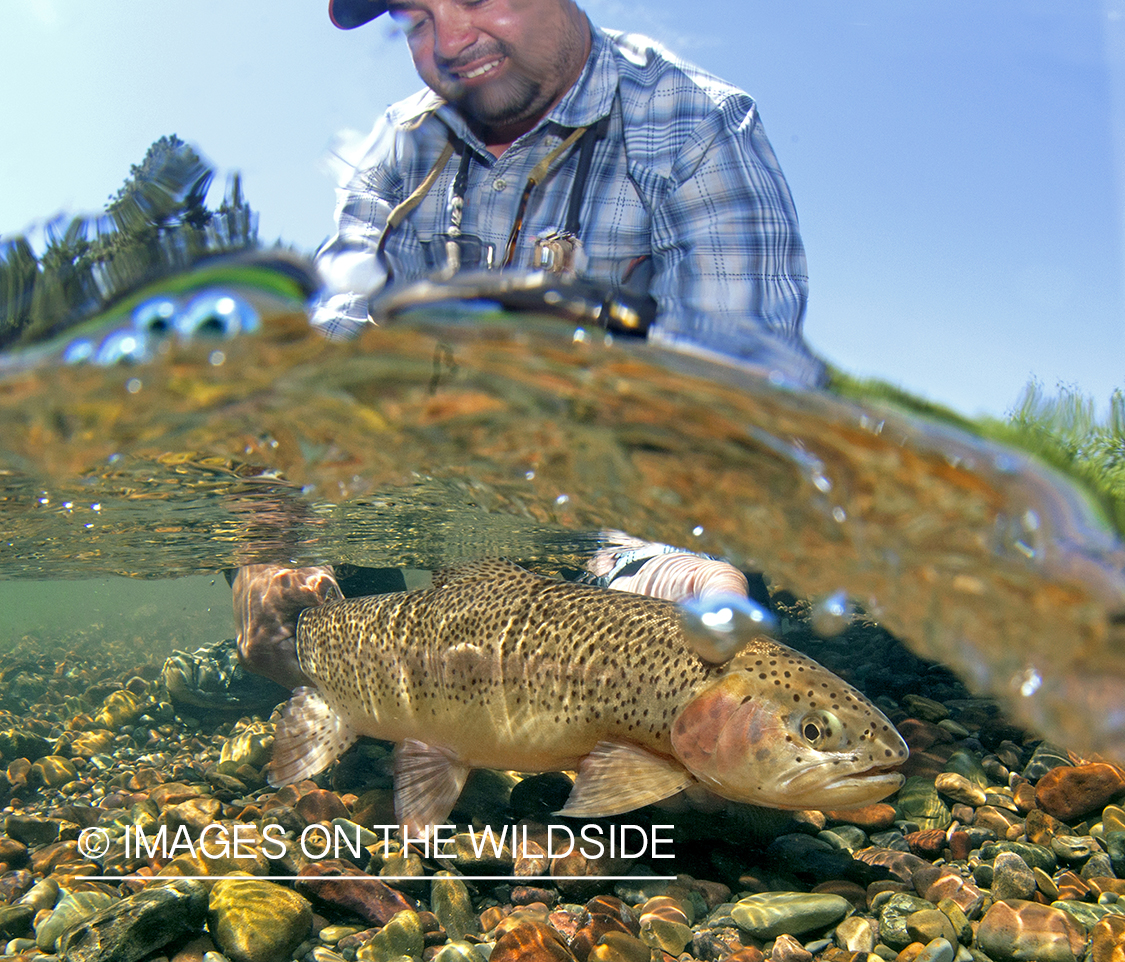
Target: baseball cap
349, 14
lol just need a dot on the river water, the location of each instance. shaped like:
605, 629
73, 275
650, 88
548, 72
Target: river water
126, 490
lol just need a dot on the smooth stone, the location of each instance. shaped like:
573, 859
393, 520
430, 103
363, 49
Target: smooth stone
451, 903
857, 934
792, 913
1097, 865
1088, 913
927, 844
1071, 793
925, 708
331, 934
962, 927
42, 895
321, 953
15, 920
1012, 878
1115, 847
788, 949
926, 925
871, 818
937, 950
342, 885
31, 830
918, 801
459, 951
1073, 848
526, 940
846, 838
251, 746
252, 920
1019, 930
893, 915
1036, 856
1044, 759
51, 771
1113, 819
137, 926
969, 766
72, 908
1107, 940
320, 806
959, 789
808, 857
1041, 828
401, 936
899, 865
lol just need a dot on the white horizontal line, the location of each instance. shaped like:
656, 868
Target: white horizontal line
387, 878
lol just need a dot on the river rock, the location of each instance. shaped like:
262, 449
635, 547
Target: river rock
937, 950
926, 925
451, 903
1113, 819
31, 830
918, 801
137, 926
401, 936
857, 934
788, 949
1012, 878
959, 789
71, 909
51, 771
359, 893
893, 915
252, 920
665, 925
619, 947
1019, 930
525, 940
771, 914
1107, 940
1072, 793
1044, 759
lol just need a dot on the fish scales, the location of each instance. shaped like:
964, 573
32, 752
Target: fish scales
496, 667
547, 668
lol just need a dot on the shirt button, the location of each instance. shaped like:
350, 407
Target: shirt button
499, 183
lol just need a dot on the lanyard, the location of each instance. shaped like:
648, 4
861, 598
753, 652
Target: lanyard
589, 136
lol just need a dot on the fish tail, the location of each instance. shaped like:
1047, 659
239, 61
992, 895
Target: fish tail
309, 738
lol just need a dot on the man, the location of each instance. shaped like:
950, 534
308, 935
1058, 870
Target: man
543, 142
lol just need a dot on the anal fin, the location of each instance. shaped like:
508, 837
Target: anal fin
309, 738
617, 777
428, 781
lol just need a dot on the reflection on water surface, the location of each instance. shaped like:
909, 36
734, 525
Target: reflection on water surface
447, 436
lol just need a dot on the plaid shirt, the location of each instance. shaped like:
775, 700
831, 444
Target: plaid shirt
683, 176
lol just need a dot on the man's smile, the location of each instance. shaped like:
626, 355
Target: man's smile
481, 69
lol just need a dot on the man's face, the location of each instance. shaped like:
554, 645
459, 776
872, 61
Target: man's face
500, 62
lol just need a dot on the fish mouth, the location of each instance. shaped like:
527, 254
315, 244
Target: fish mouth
866, 787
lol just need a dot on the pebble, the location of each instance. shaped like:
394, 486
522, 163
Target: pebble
1011, 877
525, 940
937, 950
926, 925
857, 934
619, 947
72, 908
136, 926
1107, 940
793, 913
450, 901
1070, 793
959, 789
361, 894
402, 935
252, 920
918, 801
1027, 930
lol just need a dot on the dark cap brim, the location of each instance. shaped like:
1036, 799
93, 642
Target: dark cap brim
349, 14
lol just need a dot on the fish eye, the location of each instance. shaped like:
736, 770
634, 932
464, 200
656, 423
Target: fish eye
822, 730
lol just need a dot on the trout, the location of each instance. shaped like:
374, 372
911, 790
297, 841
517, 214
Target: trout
496, 667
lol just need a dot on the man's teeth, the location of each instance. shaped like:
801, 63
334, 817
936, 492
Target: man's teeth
469, 75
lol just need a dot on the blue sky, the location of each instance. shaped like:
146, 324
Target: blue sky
955, 163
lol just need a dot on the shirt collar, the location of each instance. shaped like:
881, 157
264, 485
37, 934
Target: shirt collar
590, 99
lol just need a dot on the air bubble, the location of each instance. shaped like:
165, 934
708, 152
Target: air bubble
719, 626
832, 615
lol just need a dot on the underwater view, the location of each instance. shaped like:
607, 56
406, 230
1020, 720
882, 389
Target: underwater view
501, 633
936, 579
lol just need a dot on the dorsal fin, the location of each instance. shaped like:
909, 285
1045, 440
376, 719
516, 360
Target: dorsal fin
481, 570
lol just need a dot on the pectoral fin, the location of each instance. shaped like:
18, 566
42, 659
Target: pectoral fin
428, 781
617, 777
309, 738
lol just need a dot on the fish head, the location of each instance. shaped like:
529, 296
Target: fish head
779, 730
